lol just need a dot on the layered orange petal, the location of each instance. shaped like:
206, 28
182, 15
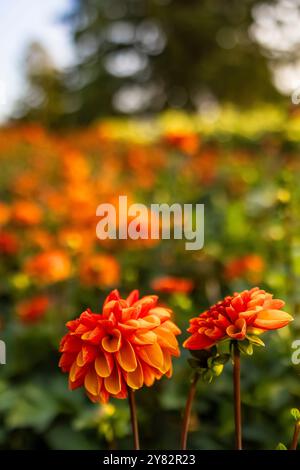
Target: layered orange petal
104, 364
250, 311
272, 319
130, 344
135, 378
126, 357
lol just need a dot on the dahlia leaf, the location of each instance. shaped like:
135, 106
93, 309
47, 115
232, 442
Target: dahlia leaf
255, 340
281, 446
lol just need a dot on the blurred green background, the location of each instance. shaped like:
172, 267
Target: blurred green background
209, 123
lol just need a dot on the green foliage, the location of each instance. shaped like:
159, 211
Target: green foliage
295, 412
208, 363
139, 56
255, 340
281, 446
246, 170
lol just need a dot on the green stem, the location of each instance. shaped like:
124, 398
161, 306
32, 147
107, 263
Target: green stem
187, 412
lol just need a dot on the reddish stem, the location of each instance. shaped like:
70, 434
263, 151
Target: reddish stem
237, 395
133, 416
295, 436
187, 412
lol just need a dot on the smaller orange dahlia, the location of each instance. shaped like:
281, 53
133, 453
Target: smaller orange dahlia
131, 343
249, 312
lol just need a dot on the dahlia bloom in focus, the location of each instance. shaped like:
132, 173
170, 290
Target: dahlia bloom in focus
249, 312
131, 343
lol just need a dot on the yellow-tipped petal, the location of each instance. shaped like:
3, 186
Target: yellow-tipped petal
113, 382
145, 338
149, 377
166, 338
135, 378
112, 343
126, 357
152, 355
104, 365
75, 372
91, 382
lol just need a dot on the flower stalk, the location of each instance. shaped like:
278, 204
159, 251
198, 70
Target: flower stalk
237, 395
133, 417
296, 434
187, 411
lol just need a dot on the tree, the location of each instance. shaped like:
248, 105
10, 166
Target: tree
46, 98
141, 56
144, 55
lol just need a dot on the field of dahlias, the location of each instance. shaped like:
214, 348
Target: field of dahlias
245, 168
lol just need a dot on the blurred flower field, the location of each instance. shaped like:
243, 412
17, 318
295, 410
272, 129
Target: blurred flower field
245, 168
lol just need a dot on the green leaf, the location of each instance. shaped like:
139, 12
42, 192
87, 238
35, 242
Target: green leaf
194, 363
33, 407
295, 414
221, 359
255, 340
210, 362
207, 376
281, 446
204, 354
245, 347
218, 369
63, 437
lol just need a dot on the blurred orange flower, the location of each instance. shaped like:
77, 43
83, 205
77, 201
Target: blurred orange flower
4, 213
32, 310
26, 213
48, 267
40, 237
9, 243
131, 343
187, 142
251, 266
99, 270
251, 311
77, 239
171, 284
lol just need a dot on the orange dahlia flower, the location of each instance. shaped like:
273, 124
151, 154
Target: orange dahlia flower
131, 343
251, 311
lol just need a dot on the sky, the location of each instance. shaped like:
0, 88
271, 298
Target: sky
21, 22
